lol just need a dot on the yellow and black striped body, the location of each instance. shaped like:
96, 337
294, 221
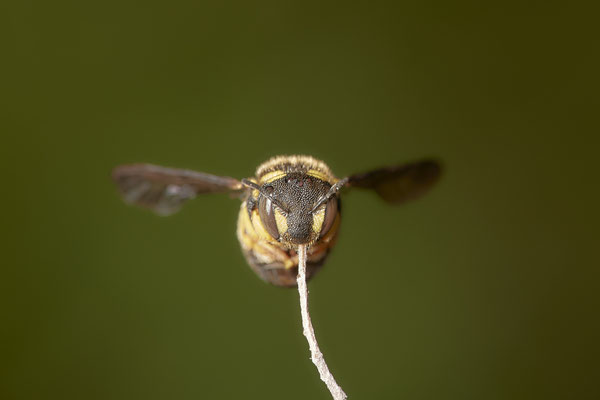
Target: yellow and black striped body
268, 234
292, 201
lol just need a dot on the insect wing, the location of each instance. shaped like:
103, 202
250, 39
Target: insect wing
400, 183
164, 190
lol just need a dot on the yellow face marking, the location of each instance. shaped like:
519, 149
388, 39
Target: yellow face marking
318, 218
272, 176
281, 222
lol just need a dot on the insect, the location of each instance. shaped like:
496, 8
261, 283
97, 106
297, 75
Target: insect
291, 201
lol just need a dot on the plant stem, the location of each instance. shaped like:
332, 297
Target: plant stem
316, 355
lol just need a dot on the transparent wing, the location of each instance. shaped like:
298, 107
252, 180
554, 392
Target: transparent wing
400, 183
164, 190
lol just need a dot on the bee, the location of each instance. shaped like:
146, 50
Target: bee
290, 201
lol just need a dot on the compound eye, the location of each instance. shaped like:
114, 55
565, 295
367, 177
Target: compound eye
331, 211
266, 211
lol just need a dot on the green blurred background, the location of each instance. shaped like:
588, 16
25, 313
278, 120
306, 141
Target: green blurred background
487, 288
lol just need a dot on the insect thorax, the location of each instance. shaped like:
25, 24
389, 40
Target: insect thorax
298, 181
279, 166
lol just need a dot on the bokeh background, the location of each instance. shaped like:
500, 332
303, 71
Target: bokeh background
487, 288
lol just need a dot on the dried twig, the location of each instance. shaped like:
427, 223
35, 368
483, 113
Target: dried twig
315, 352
